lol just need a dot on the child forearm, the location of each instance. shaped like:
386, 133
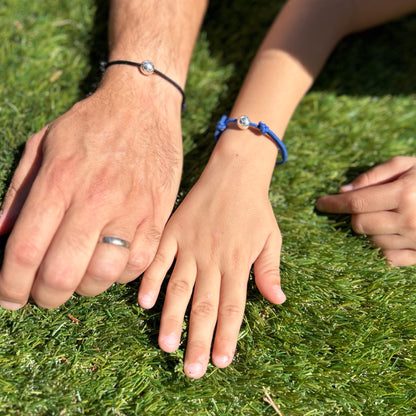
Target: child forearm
291, 56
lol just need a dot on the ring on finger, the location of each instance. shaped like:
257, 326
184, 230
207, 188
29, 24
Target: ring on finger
115, 241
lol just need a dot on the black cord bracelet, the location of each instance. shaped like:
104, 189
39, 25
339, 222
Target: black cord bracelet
147, 68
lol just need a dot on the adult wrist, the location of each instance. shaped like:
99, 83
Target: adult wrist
126, 84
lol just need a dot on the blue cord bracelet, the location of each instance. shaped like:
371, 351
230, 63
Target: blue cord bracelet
244, 123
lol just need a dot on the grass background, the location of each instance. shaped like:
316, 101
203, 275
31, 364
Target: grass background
343, 343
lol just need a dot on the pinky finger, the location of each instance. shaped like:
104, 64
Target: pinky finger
400, 258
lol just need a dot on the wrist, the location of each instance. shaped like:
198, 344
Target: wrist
239, 153
129, 88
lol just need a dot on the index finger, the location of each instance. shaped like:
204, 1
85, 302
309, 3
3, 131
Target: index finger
383, 197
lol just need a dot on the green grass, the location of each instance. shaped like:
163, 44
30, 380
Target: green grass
344, 342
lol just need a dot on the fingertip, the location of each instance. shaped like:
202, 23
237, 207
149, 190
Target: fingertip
11, 306
346, 188
146, 300
320, 203
169, 343
278, 296
273, 293
194, 370
222, 360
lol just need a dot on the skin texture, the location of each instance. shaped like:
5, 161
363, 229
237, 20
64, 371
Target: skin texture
109, 166
226, 224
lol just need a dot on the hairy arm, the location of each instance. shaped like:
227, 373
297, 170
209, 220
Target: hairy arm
110, 166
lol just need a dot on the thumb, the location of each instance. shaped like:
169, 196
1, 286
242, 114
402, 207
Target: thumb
21, 182
266, 269
384, 173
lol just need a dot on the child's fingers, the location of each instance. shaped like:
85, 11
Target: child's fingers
382, 222
21, 182
380, 174
266, 269
400, 258
178, 295
202, 321
154, 275
393, 242
383, 197
230, 315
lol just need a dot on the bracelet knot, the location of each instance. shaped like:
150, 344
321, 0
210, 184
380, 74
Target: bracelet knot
243, 123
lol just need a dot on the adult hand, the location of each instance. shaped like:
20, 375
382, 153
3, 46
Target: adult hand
382, 202
223, 226
110, 166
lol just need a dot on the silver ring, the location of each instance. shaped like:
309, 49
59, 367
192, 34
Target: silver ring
115, 241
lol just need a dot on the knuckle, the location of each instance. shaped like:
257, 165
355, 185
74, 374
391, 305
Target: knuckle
138, 261
204, 309
106, 269
24, 252
357, 224
410, 223
357, 204
179, 287
231, 311
160, 258
60, 278
153, 235
408, 192
272, 272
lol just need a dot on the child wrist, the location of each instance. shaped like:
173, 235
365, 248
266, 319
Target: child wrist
244, 123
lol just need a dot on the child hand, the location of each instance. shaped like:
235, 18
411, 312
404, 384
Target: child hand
223, 226
382, 202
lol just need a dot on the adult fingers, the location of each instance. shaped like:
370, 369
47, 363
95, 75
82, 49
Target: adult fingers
382, 222
109, 260
37, 223
67, 258
143, 249
400, 258
202, 321
393, 242
177, 298
21, 182
266, 270
230, 315
380, 174
155, 274
374, 198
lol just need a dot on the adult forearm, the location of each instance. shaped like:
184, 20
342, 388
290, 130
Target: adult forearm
161, 31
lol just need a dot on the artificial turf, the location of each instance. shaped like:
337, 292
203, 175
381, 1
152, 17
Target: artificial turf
343, 343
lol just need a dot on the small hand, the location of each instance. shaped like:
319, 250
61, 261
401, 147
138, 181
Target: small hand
223, 226
382, 202
104, 168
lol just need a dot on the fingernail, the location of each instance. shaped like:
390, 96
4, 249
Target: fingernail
318, 205
222, 359
170, 340
10, 305
193, 370
146, 301
281, 297
346, 188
